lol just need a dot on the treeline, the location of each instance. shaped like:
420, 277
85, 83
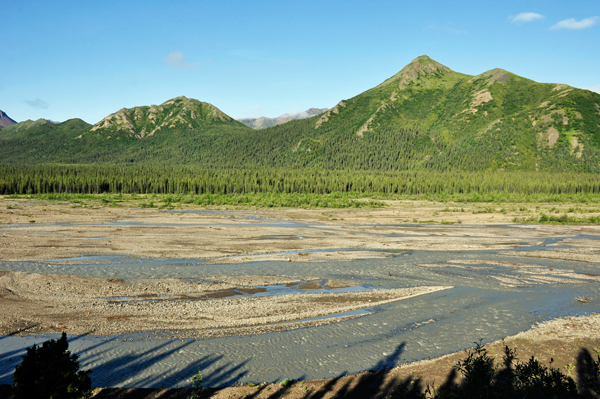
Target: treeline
168, 179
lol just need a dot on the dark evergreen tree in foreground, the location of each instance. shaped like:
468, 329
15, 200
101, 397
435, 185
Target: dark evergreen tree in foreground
50, 371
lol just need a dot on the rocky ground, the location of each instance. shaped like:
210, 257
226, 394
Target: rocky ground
33, 303
38, 231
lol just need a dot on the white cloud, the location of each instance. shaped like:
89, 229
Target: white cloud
525, 17
177, 61
574, 24
37, 103
594, 88
254, 111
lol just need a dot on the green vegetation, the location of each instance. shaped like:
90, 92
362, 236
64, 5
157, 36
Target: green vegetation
51, 372
197, 388
426, 133
285, 382
22, 126
562, 219
470, 187
481, 379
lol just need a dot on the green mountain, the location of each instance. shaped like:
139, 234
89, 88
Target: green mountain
430, 117
180, 113
22, 126
46, 142
424, 117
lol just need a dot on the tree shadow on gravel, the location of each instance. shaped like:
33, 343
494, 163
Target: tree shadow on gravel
110, 369
372, 384
376, 383
381, 382
119, 370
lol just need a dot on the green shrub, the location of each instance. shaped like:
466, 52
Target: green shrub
51, 372
482, 379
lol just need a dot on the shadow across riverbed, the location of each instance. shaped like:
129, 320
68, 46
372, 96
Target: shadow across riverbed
381, 382
125, 368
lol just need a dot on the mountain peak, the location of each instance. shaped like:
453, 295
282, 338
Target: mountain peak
5, 120
143, 121
424, 65
419, 67
422, 59
493, 75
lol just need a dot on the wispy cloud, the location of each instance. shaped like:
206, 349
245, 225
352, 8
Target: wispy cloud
525, 17
447, 27
177, 61
572, 23
594, 88
37, 103
252, 112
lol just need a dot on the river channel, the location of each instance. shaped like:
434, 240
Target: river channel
494, 295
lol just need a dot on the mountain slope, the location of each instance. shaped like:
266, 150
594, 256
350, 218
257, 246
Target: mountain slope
46, 142
5, 120
428, 116
22, 126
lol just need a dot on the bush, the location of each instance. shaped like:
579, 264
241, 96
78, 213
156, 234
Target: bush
51, 372
530, 380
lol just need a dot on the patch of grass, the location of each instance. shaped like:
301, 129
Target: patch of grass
561, 219
453, 209
285, 382
485, 210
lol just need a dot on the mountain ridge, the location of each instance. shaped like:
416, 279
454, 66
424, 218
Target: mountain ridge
25, 125
426, 116
263, 122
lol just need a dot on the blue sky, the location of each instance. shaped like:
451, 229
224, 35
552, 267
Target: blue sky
68, 59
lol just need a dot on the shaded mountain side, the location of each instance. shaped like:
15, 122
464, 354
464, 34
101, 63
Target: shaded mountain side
424, 117
265, 122
47, 142
22, 126
5, 120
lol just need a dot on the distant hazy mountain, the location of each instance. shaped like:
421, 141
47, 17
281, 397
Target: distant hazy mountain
264, 122
5, 120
